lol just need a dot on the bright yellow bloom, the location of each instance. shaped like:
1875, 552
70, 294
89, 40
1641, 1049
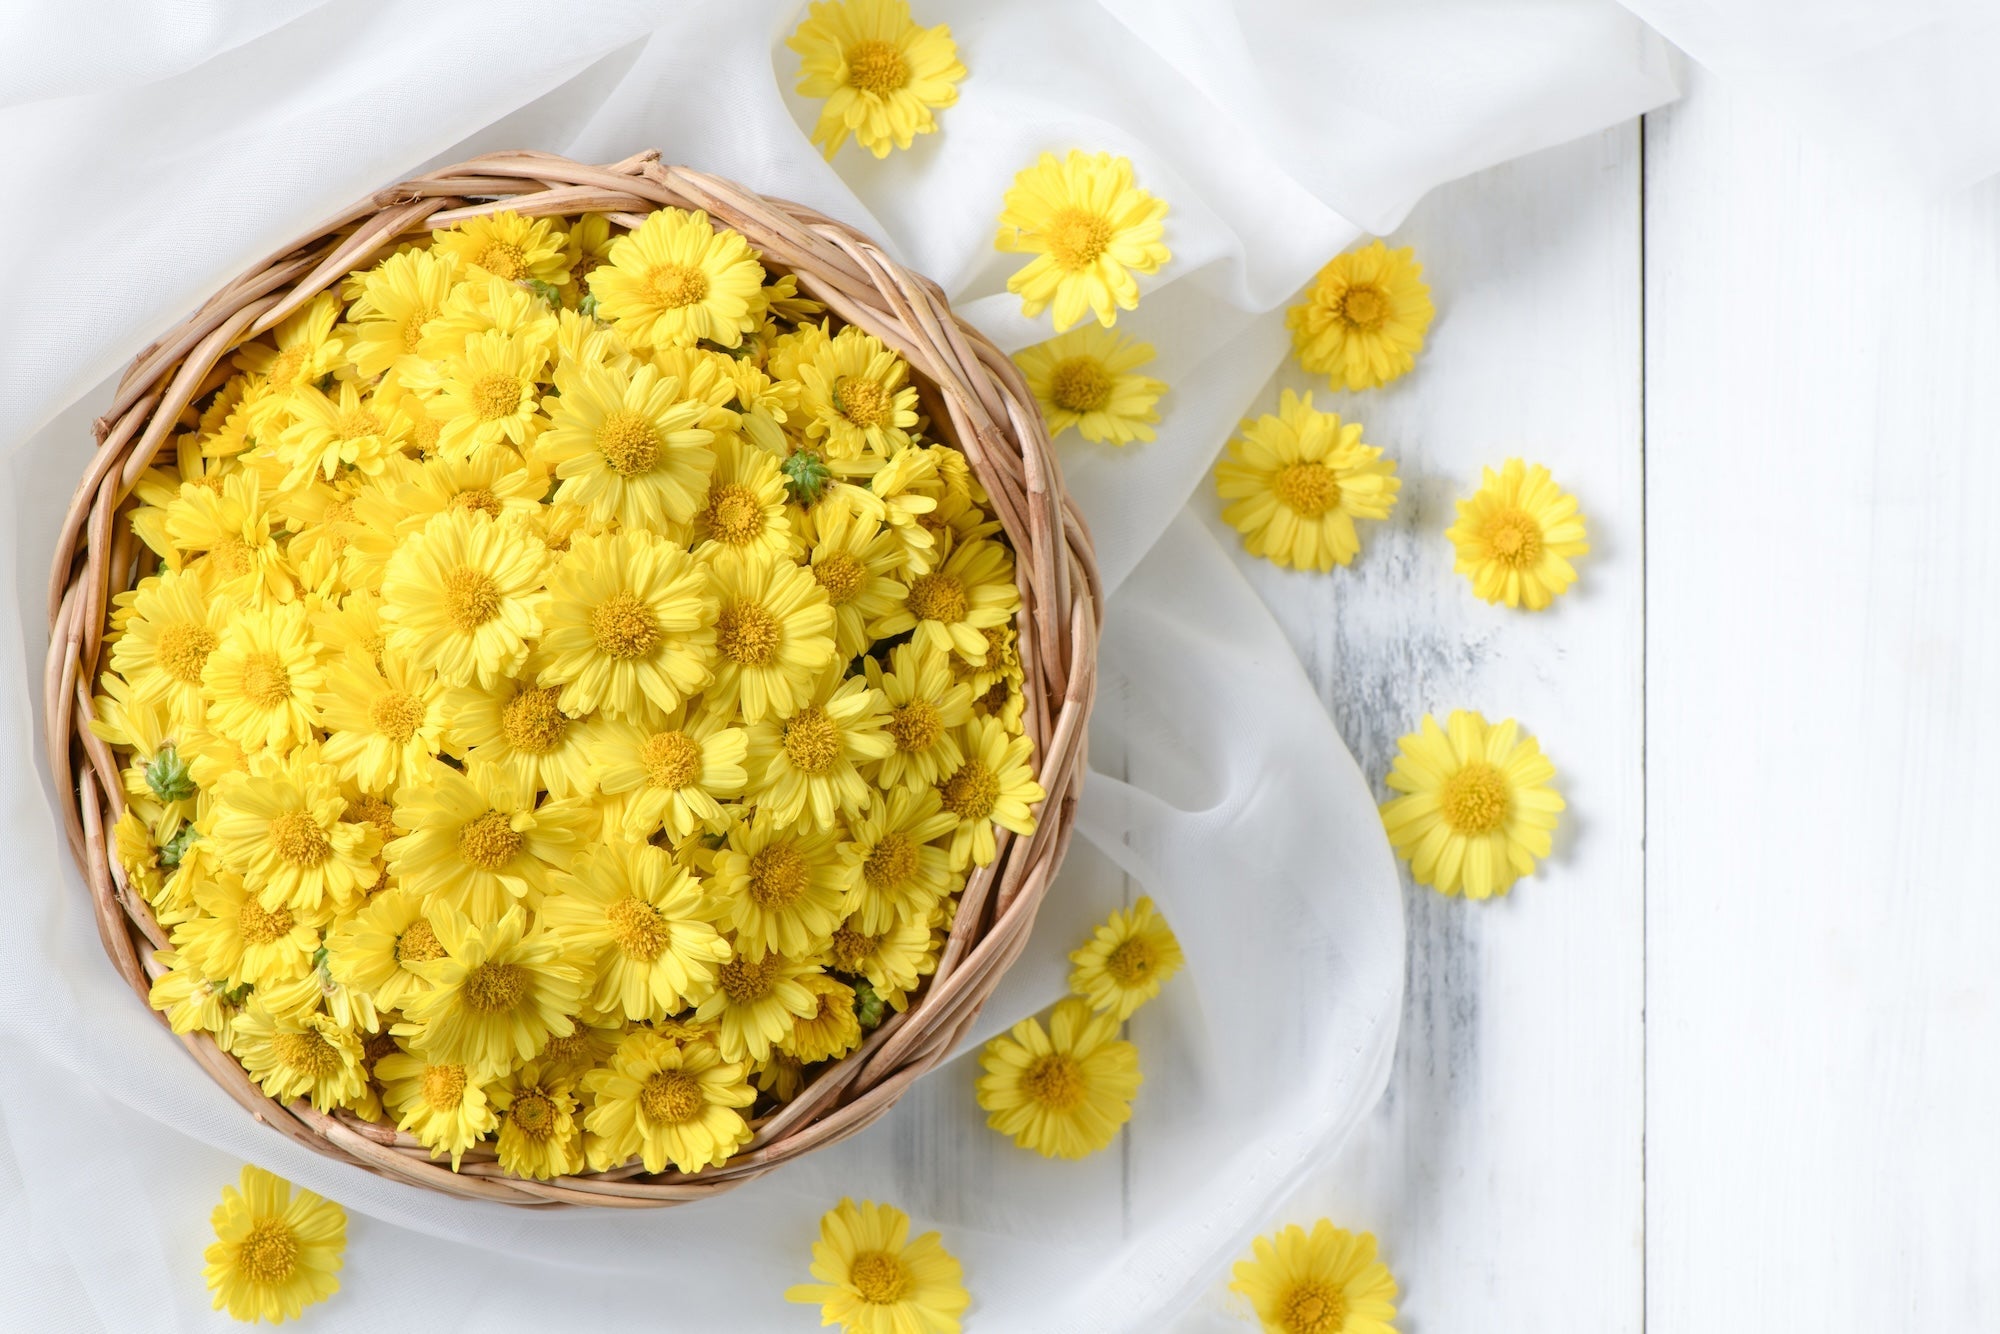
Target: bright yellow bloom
1478, 809
1084, 378
874, 1280
743, 516
1298, 481
1515, 536
806, 765
399, 298
1363, 319
508, 246
280, 825
378, 948
312, 1056
903, 874
952, 605
487, 392
262, 679
328, 434
1090, 229
629, 627
926, 709
667, 1104
1125, 961
539, 1134
639, 920
830, 1032
480, 305
275, 1253
175, 625
773, 637
893, 962
880, 73
1324, 1282
1062, 1091
992, 786
305, 350
465, 596
522, 731
497, 995
756, 1003
480, 843
384, 723
676, 280
233, 938
857, 397
855, 560
629, 444
442, 1103
779, 887
230, 525
672, 776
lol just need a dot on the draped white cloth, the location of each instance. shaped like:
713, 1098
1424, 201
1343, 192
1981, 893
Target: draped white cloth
154, 149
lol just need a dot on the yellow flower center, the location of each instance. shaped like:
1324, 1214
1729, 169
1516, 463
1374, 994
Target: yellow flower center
675, 286
266, 683
489, 840
574, 1048
840, 574
892, 862
877, 67
258, 927
366, 809
268, 1253
915, 726
734, 515
299, 841
1475, 800
672, 760
412, 327
307, 1052
1054, 1081
534, 1115
1077, 238
971, 792
531, 721
1081, 384
745, 982
624, 627
850, 947
1313, 1308
1131, 963
778, 876
629, 442
638, 928
356, 424
1309, 489
862, 401
471, 598
1364, 307
746, 633
285, 368
1514, 538
231, 555
671, 1097
494, 988
478, 499
418, 943
503, 259
938, 596
396, 714
183, 651
812, 742
444, 1086
495, 396
879, 1278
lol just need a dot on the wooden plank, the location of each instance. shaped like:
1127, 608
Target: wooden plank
1822, 665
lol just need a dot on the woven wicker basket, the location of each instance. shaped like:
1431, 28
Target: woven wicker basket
975, 398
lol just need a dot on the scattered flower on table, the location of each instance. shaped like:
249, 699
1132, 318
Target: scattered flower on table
881, 75
1084, 378
1126, 960
1064, 1090
1090, 229
1515, 537
1363, 319
275, 1253
1297, 481
1327, 1281
1478, 809
874, 1280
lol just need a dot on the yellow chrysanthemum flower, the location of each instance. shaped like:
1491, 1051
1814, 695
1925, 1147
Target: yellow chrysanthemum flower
676, 280
640, 921
779, 887
478, 842
874, 1280
773, 637
399, 298
524, 733
443, 1104
1515, 536
806, 765
262, 679
1478, 810
508, 246
926, 709
1297, 483
310, 1056
464, 596
857, 397
1125, 961
673, 776
1090, 229
952, 605
893, 961
881, 74
497, 995
275, 1253
743, 516
384, 724
280, 826
487, 392
1327, 1281
665, 1103
230, 524
855, 560
629, 627
992, 786
302, 351
191, 1002
1363, 319
329, 434
903, 873
1084, 378
756, 1002
629, 444
378, 948
1062, 1091
833, 1030
539, 1135
481, 305
233, 938
175, 625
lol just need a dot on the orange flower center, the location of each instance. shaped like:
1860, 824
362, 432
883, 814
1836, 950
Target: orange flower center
1131, 963
269, 1253
812, 742
299, 841
477, 499
915, 726
266, 683
418, 943
638, 928
1514, 538
494, 988
1313, 1308
971, 792
734, 515
1364, 307
307, 1052
671, 1097
879, 1278
841, 575
471, 598
534, 1115
745, 982
396, 715
746, 633
489, 841
444, 1086
893, 862
862, 401
676, 286
258, 927
495, 396
504, 259
778, 876
672, 760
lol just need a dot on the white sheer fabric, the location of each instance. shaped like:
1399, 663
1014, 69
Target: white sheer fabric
156, 148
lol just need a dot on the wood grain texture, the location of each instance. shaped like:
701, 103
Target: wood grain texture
1822, 663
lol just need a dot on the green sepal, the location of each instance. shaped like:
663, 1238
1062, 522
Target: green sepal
168, 776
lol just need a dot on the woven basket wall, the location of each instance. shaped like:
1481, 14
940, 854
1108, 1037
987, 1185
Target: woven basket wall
976, 400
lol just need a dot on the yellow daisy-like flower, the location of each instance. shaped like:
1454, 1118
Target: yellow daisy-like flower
874, 1280
280, 825
951, 606
902, 873
305, 350
992, 786
855, 560
926, 709
893, 962
328, 434
1297, 483
673, 776
774, 635
508, 246
1062, 1091
275, 1253
779, 887
833, 1030
262, 679
629, 444
481, 305
384, 723
525, 734
191, 1002
1327, 1281
175, 625
756, 1002
676, 280
478, 842
539, 1135
311, 1056
1125, 961
399, 298
442, 1104
235, 939
857, 396
807, 764
487, 393
230, 525
497, 996
1084, 378
1515, 536
666, 1104
744, 515
630, 625
464, 595
881, 75
377, 950
1478, 809
639, 919
1090, 229
1363, 319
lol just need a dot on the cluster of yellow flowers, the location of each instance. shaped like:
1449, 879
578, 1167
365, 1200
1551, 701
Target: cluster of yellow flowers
572, 693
